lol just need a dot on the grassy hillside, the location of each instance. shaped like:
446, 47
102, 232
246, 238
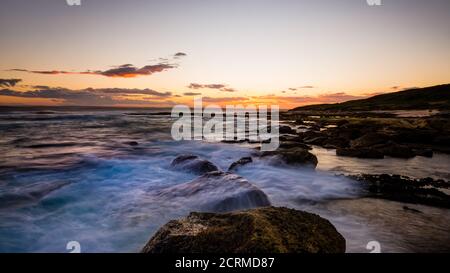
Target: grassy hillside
434, 97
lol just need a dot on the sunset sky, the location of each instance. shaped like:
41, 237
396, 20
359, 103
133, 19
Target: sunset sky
160, 53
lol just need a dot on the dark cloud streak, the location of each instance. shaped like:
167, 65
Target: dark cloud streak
217, 86
9, 82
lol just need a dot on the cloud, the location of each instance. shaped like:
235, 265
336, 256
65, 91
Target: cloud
228, 89
306, 87
218, 86
192, 94
122, 71
179, 55
9, 82
293, 89
91, 96
202, 86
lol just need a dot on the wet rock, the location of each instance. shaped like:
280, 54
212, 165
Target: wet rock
233, 141
216, 192
336, 142
309, 135
193, 164
294, 156
284, 129
293, 144
133, 143
341, 122
442, 140
262, 230
404, 189
320, 140
368, 140
241, 162
290, 138
393, 149
299, 156
411, 209
424, 152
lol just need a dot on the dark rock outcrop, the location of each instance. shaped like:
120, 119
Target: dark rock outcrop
216, 192
262, 230
193, 164
294, 156
284, 129
293, 144
368, 140
404, 189
393, 149
298, 156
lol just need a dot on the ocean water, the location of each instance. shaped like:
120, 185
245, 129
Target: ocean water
74, 175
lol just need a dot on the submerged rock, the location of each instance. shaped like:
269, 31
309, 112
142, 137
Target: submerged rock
193, 164
241, 162
216, 192
262, 230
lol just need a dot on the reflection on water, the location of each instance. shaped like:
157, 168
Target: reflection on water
80, 176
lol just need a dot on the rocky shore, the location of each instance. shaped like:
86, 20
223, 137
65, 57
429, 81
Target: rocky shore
371, 135
424, 191
235, 216
261, 230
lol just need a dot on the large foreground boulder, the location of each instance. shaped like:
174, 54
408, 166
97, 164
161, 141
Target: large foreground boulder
192, 164
215, 192
262, 230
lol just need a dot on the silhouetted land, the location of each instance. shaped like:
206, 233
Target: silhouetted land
434, 97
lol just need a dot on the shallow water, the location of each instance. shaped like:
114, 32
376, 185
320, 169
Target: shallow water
73, 176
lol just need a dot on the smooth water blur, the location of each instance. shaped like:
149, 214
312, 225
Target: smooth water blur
79, 176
